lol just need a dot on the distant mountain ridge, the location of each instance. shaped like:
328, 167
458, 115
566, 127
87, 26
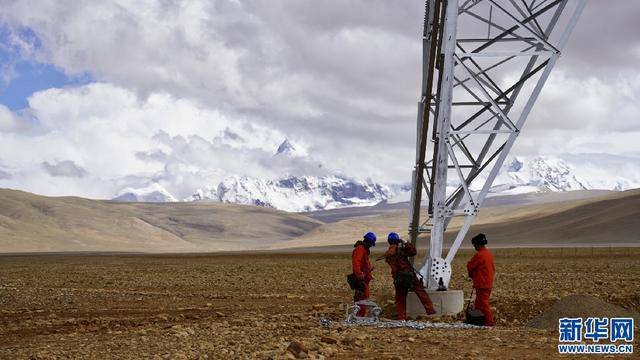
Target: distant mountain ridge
289, 192
567, 173
304, 193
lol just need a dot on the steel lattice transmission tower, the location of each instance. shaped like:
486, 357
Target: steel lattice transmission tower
484, 65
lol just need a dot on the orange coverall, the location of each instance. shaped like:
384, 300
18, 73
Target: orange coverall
482, 270
398, 261
362, 271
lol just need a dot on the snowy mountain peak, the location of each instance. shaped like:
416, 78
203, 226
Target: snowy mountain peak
289, 149
154, 192
286, 148
515, 165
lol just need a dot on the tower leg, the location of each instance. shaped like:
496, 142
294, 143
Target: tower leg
443, 124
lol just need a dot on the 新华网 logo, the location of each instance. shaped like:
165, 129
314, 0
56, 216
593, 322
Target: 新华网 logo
595, 335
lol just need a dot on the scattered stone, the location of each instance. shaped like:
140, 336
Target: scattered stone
318, 307
297, 349
328, 340
348, 340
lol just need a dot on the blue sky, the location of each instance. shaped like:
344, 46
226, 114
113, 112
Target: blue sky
23, 76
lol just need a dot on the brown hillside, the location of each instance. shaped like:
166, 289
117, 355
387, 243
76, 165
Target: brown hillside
30, 222
612, 219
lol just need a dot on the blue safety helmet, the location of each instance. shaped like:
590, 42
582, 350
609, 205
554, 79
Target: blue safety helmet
393, 238
371, 238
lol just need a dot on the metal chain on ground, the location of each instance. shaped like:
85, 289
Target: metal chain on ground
418, 325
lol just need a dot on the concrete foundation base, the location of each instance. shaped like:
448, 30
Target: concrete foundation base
449, 302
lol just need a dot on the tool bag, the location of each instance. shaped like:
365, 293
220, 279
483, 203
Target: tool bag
474, 316
404, 279
353, 282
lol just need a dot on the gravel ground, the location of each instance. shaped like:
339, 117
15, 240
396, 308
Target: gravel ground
270, 306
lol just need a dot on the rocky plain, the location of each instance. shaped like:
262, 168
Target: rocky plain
270, 305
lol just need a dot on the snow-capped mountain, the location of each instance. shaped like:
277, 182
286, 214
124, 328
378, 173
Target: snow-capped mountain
305, 193
290, 193
154, 192
567, 173
322, 191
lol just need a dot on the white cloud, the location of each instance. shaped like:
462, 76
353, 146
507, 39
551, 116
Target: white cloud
10, 122
104, 129
584, 115
4, 175
66, 168
273, 61
589, 103
111, 138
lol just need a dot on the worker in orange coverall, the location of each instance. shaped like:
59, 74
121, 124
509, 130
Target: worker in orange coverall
482, 270
397, 256
362, 268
